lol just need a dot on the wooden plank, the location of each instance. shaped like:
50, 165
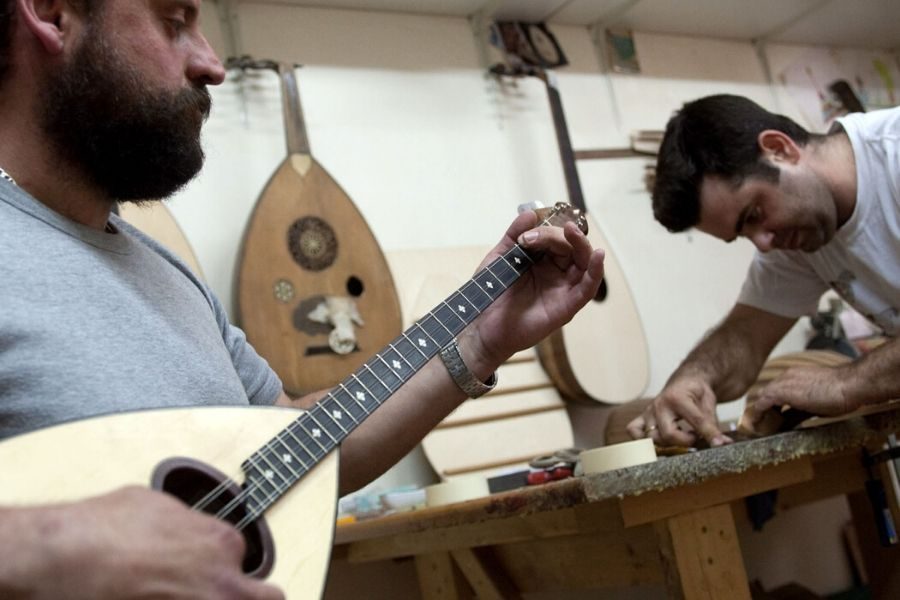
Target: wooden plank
703, 557
499, 441
472, 532
491, 407
625, 558
487, 579
437, 577
651, 506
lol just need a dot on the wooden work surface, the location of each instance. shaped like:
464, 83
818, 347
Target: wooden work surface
667, 524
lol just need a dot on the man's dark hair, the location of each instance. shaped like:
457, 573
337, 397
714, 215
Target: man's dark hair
715, 135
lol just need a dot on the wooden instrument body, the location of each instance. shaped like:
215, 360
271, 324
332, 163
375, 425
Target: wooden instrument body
93, 456
274, 318
602, 353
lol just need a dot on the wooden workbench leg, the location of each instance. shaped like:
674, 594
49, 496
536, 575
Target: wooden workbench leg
702, 557
438, 579
488, 579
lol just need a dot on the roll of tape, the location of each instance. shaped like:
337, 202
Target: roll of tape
459, 489
617, 456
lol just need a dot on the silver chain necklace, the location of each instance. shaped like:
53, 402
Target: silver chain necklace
7, 176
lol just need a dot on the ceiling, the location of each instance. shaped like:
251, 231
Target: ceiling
844, 23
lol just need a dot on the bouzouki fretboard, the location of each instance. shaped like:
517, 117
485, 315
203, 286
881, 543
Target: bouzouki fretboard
294, 451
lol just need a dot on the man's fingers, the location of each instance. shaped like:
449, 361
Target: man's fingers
635, 427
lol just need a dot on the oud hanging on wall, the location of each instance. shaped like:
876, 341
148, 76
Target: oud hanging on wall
314, 291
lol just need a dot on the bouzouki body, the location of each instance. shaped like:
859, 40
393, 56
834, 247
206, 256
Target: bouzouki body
601, 355
272, 472
306, 242
105, 453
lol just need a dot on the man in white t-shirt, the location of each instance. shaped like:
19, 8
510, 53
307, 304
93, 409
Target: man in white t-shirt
823, 212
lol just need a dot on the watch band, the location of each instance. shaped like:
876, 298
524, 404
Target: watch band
462, 376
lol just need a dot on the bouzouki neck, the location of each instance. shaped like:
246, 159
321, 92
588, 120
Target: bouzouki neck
566, 153
294, 125
294, 451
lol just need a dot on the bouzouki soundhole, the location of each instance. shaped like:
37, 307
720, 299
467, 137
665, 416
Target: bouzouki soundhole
190, 481
312, 243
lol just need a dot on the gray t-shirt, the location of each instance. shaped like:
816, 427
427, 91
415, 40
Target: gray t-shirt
94, 322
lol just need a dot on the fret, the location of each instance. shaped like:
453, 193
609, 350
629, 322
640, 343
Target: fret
251, 488
315, 433
327, 420
337, 413
291, 456
260, 481
435, 328
505, 270
464, 308
271, 469
360, 395
443, 315
410, 359
353, 405
492, 270
476, 295
413, 350
386, 387
390, 368
295, 426
434, 347
368, 391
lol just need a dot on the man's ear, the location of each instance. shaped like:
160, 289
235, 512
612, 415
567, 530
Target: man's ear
778, 146
47, 20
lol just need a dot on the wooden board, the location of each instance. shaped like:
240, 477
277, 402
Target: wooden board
156, 220
306, 241
522, 418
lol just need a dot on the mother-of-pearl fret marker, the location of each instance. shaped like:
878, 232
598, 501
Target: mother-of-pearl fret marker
287, 459
269, 473
423, 342
461, 308
337, 415
489, 284
517, 260
361, 396
317, 432
397, 364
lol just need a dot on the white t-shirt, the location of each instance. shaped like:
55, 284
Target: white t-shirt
862, 262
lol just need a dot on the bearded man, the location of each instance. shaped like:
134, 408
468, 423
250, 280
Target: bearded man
102, 101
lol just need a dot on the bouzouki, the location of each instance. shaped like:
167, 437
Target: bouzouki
601, 355
313, 287
284, 503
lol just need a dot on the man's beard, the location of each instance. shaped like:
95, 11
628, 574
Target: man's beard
131, 141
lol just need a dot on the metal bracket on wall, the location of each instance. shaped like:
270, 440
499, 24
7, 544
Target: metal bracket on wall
480, 22
228, 20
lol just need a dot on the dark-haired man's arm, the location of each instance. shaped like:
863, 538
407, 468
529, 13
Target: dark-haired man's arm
721, 368
830, 391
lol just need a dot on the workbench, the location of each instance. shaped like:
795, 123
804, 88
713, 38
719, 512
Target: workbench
668, 524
